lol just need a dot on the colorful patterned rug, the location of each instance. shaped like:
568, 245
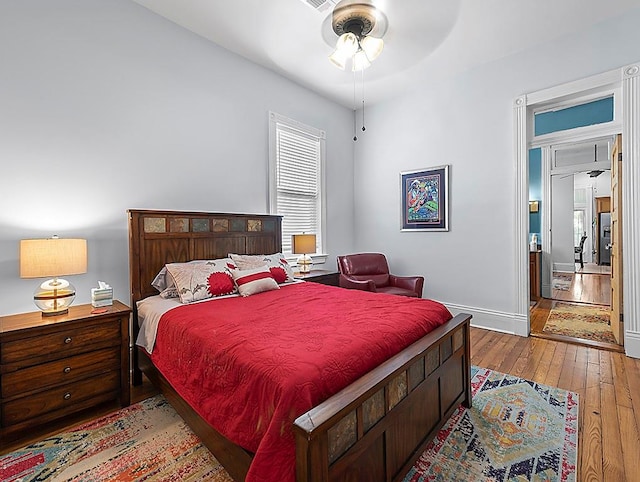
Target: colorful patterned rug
589, 322
517, 430
562, 281
146, 441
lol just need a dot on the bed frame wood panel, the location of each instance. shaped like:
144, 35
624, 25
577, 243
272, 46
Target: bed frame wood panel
376, 428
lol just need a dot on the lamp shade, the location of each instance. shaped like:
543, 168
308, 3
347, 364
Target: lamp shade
42, 258
303, 243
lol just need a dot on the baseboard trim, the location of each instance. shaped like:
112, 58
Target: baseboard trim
632, 344
501, 321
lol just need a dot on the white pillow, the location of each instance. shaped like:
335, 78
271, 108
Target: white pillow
252, 281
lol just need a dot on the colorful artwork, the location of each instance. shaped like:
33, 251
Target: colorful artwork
425, 199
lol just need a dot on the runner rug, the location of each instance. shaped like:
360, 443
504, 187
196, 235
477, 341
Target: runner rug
516, 430
562, 281
590, 322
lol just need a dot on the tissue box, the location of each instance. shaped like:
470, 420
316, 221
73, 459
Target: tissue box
101, 297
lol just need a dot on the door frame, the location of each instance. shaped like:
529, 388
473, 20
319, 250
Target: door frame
624, 84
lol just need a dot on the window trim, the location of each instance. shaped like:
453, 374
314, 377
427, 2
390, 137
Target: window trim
274, 120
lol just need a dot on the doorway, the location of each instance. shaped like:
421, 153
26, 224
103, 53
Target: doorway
576, 304
624, 84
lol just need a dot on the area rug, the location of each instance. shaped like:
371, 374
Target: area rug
590, 322
516, 430
146, 441
562, 281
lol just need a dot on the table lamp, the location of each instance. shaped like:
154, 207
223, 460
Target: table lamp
53, 257
303, 244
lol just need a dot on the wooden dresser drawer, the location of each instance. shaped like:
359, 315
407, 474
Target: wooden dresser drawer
60, 371
61, 343
62, 398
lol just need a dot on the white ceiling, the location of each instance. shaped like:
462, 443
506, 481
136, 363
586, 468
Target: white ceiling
424, 36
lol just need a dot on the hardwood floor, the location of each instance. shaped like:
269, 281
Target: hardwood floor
586, 288
592, 268
608, 384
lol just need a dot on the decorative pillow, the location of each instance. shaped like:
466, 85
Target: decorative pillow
252, 281
199, 281
280, 269
171, 292
163, 280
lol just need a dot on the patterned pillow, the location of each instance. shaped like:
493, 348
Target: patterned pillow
252, 281
199, 281
277, 264
164, 283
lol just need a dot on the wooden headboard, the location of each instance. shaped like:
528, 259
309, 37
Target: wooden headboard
160, 237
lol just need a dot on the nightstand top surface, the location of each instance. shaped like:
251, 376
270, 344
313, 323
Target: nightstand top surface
313, 272
34, 319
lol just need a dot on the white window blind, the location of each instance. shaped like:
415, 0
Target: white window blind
296, 188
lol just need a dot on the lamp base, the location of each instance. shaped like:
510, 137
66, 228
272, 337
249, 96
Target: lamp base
53, 297
304, 263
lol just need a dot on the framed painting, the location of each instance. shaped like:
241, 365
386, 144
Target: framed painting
425, 199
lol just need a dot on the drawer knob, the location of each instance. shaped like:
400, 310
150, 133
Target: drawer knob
67, 396
67, 340
67, 369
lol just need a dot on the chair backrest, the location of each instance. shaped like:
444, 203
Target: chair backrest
364, 266
582, 240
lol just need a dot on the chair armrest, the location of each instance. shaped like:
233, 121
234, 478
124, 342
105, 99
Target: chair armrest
411, 283
366, 285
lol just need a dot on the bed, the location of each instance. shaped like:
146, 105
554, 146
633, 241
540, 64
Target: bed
371, 428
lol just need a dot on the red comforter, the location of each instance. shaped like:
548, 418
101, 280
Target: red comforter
250, 366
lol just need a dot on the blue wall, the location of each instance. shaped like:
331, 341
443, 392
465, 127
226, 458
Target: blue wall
535, 191
596, 112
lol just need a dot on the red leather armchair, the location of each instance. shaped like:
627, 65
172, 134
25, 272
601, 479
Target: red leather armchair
370, 272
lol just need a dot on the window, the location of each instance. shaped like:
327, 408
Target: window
578, 226
296, 186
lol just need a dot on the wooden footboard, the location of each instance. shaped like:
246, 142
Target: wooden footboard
376, 428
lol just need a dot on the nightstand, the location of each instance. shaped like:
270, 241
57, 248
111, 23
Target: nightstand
322, 276
51, 367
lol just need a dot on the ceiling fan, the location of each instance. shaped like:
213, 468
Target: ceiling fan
595, 172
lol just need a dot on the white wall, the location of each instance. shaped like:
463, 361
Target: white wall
106, 106
466, 121
562, 245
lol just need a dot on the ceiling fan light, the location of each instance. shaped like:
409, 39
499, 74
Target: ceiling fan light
372, 46
347, 44
360, 61
338, 59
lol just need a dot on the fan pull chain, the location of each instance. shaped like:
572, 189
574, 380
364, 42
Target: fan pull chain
355, 121
363, 127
